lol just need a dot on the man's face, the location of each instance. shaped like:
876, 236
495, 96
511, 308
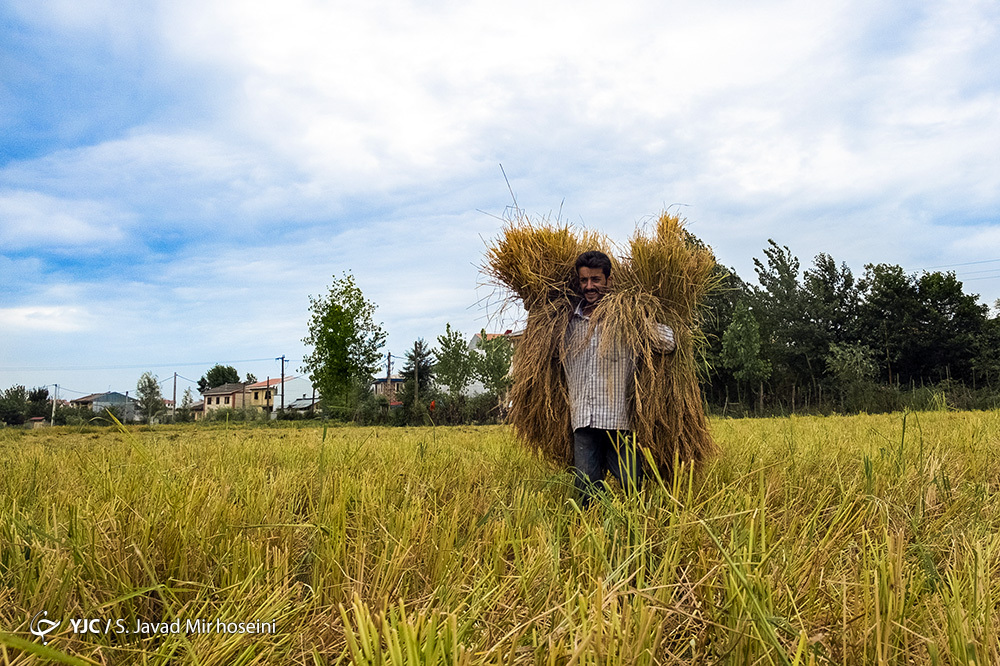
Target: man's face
593, 283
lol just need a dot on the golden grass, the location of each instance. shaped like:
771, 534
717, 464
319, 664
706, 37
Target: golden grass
860, 540
662, 279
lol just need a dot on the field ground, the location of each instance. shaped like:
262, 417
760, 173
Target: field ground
860, 540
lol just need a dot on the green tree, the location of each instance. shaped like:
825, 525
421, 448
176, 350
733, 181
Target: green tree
741, 348
344, 338
14, 405
789, 340
952, 323
217, 376
417, 396
184, 412
717, 313
832, 300
455, 362
492, 363
419, 364
149, 400
38, 402
889, 319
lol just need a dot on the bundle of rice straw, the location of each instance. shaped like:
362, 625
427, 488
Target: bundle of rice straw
663, 279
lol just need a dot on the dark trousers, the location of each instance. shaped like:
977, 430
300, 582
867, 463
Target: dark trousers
597, 452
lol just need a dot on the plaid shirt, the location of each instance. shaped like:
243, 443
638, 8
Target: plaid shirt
600, 387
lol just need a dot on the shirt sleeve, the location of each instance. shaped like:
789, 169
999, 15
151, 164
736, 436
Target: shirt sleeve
666, 342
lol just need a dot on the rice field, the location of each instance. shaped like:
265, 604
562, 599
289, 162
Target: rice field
836, 540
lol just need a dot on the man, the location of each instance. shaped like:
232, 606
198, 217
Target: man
600, 389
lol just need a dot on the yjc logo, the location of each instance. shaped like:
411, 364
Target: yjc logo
40, 626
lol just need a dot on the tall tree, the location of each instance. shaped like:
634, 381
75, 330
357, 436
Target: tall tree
455, 362
789, 340
741, 349
953, 322
420, 364
344, 338
217, 376
492, 363
14, 405
889, 320
38, 402
832, 300
717, 313
149, 398
418, 373
184, 413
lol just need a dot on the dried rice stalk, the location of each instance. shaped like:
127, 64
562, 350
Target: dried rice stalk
663, 280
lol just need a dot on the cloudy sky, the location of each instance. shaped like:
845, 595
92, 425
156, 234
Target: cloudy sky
178, 177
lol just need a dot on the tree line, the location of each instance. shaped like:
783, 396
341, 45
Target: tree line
821, 340
817, 340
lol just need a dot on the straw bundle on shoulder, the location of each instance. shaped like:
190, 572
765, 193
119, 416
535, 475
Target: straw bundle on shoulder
663, 280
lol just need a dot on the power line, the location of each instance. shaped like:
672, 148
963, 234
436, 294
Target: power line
143, 366
968, 263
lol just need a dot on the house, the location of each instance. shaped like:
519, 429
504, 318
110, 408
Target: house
294, 388
267, 396
228, 396
37, 422
304, 405
390, 387
264, 395
122, 404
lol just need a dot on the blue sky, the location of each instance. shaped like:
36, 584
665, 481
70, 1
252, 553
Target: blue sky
177, 178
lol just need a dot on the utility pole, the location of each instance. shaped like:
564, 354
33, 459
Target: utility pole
173, 407
388, 366
416, 375
282, 359
54, 395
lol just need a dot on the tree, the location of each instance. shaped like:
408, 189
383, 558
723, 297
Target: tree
455, 362
217, 376
789, 340
492, 363
184, 412
344, 337
418, 373
150, 400
14, 405
853, 366
717, 313
888, 319
741, 348
952, 322
38, 402
251, 378
419, 362
832, 300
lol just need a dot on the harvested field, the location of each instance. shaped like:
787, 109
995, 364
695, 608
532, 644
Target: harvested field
862, 540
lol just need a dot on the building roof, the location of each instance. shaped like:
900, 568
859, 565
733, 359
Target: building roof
88, 398
273, 381
226, 389
97, 397
303, 403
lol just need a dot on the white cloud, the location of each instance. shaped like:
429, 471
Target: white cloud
32, 219
61, 319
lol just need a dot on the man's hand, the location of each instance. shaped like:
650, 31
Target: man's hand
664, 342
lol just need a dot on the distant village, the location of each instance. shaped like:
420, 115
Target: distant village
294, 394
285, 397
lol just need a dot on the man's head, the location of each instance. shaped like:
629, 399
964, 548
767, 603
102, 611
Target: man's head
593, 269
